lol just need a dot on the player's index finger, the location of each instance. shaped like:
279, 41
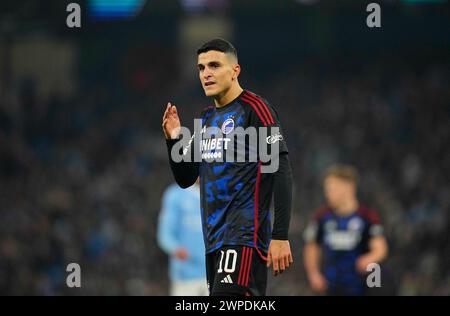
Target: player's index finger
166, 112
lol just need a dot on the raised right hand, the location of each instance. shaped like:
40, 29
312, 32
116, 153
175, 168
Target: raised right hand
171, 122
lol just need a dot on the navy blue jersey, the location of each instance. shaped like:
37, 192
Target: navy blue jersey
343, 240
236, 195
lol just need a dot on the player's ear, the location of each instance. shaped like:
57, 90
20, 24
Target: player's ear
237, 71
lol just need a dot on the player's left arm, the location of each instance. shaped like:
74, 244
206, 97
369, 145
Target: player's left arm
378, 251
378, 246
279, 254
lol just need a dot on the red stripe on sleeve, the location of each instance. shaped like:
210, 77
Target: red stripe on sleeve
263, 105
255, 107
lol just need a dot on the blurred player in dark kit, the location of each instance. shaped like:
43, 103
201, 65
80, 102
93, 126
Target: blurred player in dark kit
346, 235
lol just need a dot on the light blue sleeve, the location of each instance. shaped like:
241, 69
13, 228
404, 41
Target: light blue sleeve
169, 220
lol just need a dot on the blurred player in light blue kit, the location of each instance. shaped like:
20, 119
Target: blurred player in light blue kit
180, 236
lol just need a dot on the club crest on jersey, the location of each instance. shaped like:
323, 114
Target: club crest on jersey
355, 224
228, 126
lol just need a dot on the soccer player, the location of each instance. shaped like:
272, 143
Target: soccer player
346, 234
180, 236
235, 196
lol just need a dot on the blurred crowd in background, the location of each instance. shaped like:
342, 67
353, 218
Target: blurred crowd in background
82, 172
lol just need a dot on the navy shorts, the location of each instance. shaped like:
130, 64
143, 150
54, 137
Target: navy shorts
236, 270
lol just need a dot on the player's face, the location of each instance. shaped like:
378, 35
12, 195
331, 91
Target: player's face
216, 72
337, 190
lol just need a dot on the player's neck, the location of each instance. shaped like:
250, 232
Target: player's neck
347, 207
228, 96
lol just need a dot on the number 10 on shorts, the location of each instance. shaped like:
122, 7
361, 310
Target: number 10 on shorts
229, 253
